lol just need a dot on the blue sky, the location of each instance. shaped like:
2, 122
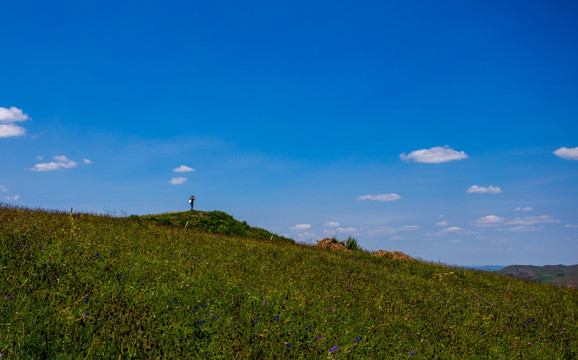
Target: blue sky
447, 130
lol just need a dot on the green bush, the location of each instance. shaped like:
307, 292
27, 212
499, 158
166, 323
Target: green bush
351, 244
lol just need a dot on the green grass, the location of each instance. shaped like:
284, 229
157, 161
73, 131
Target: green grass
86, 286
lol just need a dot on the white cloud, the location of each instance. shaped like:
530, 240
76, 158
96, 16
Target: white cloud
526, 228
389, 230
8, 116
527, 208
346, 230
301, 227
380, 197
183, 168
531, 220
453, 229
15, 197
3, 188
62, 162
12, 115
570, 226
567, 153
490, 220
331, 224
442, 223
86, 161
434, 155
11, 130
484, 190
178, 180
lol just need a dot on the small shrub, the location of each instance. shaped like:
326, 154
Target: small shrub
351, 244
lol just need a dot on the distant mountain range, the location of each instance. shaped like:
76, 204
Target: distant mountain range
550, 274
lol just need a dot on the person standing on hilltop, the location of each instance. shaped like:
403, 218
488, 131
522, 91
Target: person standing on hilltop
192, 201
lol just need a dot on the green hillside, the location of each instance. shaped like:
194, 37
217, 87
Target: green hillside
552, 274
100, 287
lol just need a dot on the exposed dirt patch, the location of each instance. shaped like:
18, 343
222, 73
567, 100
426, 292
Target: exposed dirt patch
330, 244
394, 255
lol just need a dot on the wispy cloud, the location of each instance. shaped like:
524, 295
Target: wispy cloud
527, 208
526, 228
490, 220
300, 227
178, 180
331, 224
570, 226
62, 162
434, 155
87, 161
442, 223
8, 118
3, 188
532, 220
14, 197
475, 189
567, 153
183, 168
380, 197
389, 230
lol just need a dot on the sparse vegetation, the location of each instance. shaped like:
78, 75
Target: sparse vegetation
145, 287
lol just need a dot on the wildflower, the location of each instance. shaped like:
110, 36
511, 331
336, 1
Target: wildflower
86, 314
333, 349
529, 343
320, 336
86, 300
288, 345
410, 352
276, 318
10, 297
188, 285
265, 302
330, 308
358, 339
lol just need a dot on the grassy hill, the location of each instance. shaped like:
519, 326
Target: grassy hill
86, 286
553, 274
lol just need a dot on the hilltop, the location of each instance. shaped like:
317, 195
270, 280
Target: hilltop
139, 287
550, 274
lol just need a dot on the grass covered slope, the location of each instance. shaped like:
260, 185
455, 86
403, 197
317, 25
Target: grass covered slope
85, 286
217, 222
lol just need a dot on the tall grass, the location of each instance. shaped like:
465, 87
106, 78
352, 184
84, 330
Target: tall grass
86, 286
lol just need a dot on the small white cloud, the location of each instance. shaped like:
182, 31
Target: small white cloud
389, 230
453, 229
490, 220
62, 162
87, 161
526, 228
434, 155
531, 220
331, 224
442, 223
11, 115
380, 197
8, 116
3, 188
527, 208
346, 230
178, 180
11, 130
301, 227
570, 226
15, 197
567, 153
483, 190
183, 168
